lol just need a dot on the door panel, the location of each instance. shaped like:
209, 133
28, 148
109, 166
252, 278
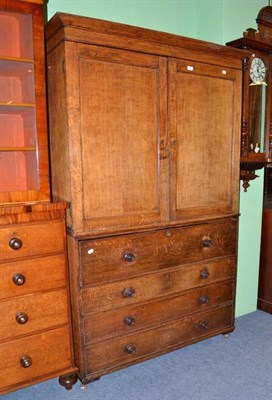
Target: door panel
204, 126
123, 137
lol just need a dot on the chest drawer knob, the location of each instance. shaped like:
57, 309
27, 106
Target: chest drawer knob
19, 279
204, 274
15, 243
129, 320
128, 292
203, 325
204, 299
21, 318
128, 256
130, 349
206, 241
26, 361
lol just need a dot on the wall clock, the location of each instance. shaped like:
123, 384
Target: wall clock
257, 71
256, 127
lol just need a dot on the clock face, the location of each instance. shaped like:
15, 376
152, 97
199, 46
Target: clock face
257, 70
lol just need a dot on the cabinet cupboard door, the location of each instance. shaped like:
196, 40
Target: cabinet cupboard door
24, 171
205, 129
121, 98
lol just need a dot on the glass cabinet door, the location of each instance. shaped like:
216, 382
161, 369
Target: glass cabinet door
19, 147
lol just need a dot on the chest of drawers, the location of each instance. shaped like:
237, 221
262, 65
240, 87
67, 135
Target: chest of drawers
152, 293
35, 334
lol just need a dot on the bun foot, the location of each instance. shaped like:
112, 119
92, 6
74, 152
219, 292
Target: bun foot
68, 381
226, 335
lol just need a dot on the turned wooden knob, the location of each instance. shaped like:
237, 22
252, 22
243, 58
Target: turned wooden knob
21, 318
19, 279
15, 243
130, 349
203, 325
206, 241
129, 256
128, 292
204, 274
129, 320
204, 299
26, 361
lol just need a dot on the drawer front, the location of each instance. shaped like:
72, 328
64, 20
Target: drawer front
147, 287
31, 276
120, 257
49, 352
131, 348
128, 319
18, 241
27, 314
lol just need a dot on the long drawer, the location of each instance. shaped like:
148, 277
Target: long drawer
27, 314
132, 348
131, 318
143, 288
34, 356
31, 276
105, 260
19, 241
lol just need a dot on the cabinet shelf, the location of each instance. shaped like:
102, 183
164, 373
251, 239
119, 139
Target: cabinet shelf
7, 149
253, 161
15, 65
249, 164
17, 81
16, 59
13, 107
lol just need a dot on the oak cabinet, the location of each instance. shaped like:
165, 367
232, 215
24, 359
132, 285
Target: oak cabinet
144, 135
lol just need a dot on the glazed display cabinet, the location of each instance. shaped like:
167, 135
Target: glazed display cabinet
35, 332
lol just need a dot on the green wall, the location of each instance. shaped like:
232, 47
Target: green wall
218, 21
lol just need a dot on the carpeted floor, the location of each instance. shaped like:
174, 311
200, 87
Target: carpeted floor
238, 368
